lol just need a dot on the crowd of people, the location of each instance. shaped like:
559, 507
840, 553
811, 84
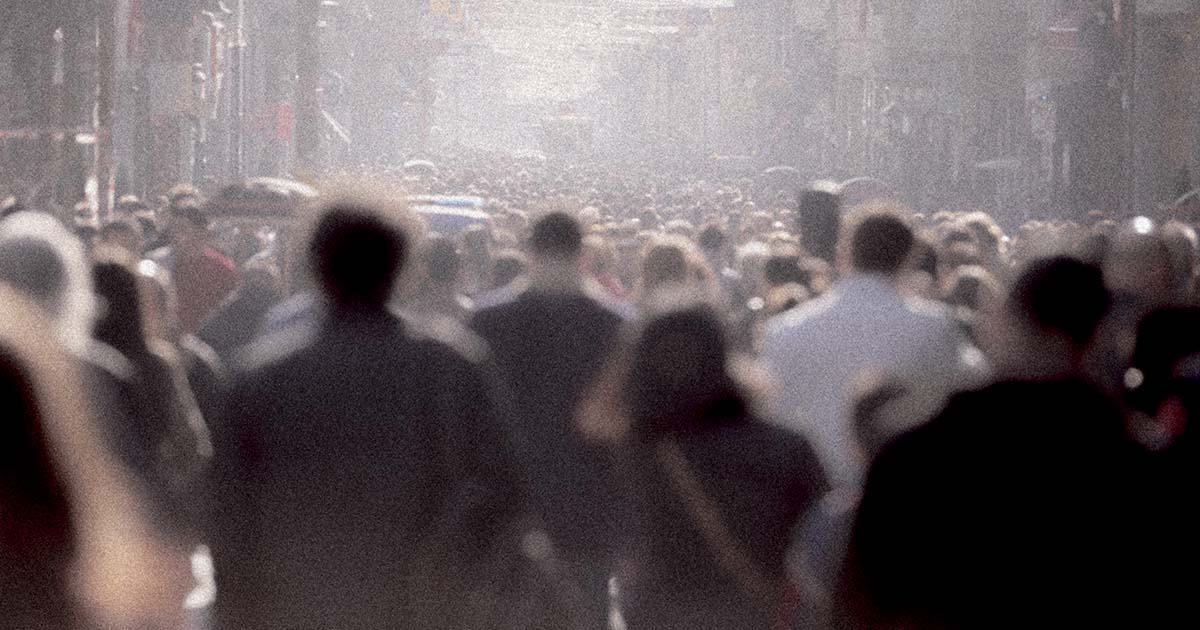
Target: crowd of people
626, 400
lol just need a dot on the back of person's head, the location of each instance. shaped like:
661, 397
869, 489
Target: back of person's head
120, 323
46, 263
189, 211
819, 220
1165, 338
507, 267
679, 377
972, 288
356, 255
130, 205
781, 269
880, 244
1063, 296
712, 238
988, 234
184, 193
665, 263
126, 233
556, 236
33, 267
1139, 264
443, 263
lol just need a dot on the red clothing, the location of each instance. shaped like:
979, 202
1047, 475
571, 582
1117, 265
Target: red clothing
202, 283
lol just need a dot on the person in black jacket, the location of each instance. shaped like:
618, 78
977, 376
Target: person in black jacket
550, 343
1014, 507
361, 469
714, 494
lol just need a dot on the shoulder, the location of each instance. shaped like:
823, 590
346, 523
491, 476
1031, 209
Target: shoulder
447, 339
498, 311
929, 310
801, 318
275, 348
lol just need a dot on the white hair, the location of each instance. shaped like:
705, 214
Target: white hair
72, 306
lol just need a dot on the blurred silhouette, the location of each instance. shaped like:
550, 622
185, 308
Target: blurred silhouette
75, 552
550, 343
163, 439
37, 533
203, 276
1013, 506
864, 325
712, 494
362, 472
441, 271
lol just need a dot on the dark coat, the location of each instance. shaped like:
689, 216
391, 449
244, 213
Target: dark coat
351, 459
1013, 508
549, 349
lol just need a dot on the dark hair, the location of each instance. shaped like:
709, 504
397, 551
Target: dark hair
925, 257
1062, 294
189, 210
357, 255
508, 266
126, 226
712, 237
781, 269
556, 235
33, 267
120, 318
819, 221
442, 260
1165, 338
881, 244
679, 377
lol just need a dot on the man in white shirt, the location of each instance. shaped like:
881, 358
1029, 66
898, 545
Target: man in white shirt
865, 332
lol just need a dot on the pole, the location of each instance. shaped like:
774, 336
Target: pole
105, 49
238, 92
308, 77
1129, 37
835, 126
58, 116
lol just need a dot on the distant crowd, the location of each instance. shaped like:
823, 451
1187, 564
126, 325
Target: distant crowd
617, 399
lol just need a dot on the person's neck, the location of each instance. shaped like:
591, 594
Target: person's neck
872, 278
556, 276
